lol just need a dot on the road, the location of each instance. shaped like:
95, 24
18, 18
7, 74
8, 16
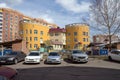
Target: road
95, 69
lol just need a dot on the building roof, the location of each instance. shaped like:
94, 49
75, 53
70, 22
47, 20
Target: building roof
57, 30
10, 42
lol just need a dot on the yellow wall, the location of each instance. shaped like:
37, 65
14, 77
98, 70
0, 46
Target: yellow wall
79, 28
1, 10
30, 26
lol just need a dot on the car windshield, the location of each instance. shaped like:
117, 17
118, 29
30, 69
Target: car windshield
53, 54
12, 53
34, 54
77, 52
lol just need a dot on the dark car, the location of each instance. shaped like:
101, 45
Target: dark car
13, 57
7, 73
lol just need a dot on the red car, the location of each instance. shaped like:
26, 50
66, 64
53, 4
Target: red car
7, 73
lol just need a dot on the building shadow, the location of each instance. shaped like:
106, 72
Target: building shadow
68, 73
71, 62
113, 61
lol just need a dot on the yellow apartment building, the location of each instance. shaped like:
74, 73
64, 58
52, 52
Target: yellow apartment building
34, 33
77, 36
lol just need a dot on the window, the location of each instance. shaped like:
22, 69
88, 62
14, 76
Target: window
30, 38
35, 32
56, 34
56, 39
51, 34
115, 52
41, 33
30, 31
75, 40
35, 45
35, 38
75, 33
30, 45
84, 33
68, 34
84, 39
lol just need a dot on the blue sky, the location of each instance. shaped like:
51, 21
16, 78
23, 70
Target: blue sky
60, 12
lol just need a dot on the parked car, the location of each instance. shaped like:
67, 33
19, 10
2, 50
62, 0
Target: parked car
34, 57
77, 56
13, 57
7, 73
114, 55
54, 57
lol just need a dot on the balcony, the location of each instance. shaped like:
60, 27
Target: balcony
1, 18
41, 41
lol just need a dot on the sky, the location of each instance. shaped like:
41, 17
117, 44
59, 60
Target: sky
60, 12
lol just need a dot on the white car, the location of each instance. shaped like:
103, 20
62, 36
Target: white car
114, 55
78, 56
34, 57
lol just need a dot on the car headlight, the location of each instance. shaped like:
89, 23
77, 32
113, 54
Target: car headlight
48, 59
74, 56
10, 58
26, 59
58, 58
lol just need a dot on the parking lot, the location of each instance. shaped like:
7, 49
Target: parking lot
96, 69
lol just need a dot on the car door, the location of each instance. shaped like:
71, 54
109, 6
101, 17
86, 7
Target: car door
112, 54
117, 56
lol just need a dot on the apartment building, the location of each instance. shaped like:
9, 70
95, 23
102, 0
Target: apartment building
9, 24
77, 36
34, 33
57, 38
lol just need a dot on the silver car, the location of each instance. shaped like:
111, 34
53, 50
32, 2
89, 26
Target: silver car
78, 56
53, 57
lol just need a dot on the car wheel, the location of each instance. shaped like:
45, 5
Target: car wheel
15, 61
110, 58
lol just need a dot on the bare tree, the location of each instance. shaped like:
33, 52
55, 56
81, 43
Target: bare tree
107, 16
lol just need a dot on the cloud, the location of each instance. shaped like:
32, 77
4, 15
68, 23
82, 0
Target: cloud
3, 5
73, 5
47, 18
39, 14
11, 2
